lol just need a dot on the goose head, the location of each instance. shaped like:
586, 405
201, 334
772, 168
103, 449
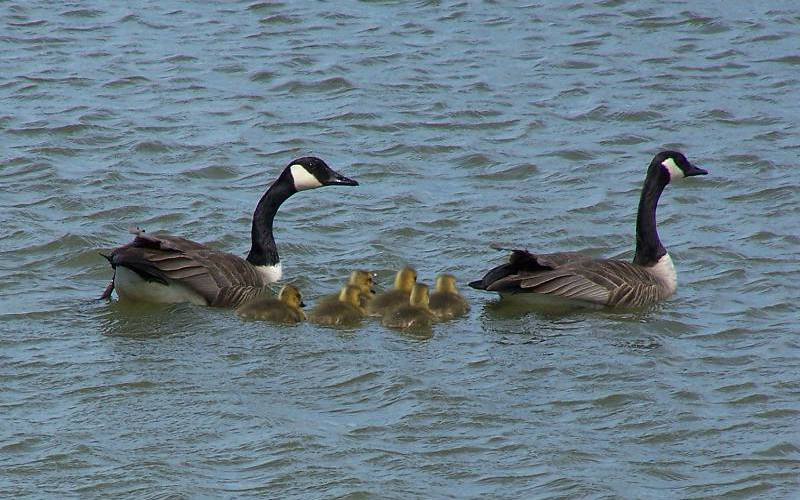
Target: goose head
420, 295
291, 296
673, 166
446, 283
310, 172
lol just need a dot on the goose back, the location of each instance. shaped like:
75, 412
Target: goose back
577, 277
220, 279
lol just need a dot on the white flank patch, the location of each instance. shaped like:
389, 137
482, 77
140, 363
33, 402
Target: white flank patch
131, 286
271, 274
664, 270
303, 179
674, 170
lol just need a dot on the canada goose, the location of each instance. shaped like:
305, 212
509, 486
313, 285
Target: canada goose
364, 280
345, 311
403, 283
169, 269
446, 303
286, 308
414, 314
651, 276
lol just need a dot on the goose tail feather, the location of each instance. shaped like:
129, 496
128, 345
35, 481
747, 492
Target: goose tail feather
107, 292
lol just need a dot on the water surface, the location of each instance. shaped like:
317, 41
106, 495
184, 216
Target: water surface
466, 123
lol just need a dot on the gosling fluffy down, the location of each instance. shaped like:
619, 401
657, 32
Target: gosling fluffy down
446, 303
284, 309
398, 296
345, 311
415, 314
365, 282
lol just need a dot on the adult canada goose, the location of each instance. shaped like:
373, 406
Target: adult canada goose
345, 311
169, 269
446, 303
286, 308
398, 296
365, 282
571, 276
414, 314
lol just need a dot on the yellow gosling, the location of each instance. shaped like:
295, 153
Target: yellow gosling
364, 280
396, 297
345, 311
284, 309
414, 314
446, 303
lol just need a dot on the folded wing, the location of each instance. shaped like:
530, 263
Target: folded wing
574, 276
220, 278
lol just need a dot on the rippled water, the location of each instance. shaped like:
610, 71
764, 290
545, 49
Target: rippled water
466, 123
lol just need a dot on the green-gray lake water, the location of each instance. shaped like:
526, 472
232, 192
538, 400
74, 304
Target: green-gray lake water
466, 123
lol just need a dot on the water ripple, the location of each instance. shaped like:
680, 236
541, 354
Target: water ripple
465, 123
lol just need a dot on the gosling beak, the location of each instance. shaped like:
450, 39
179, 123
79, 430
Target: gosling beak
692, 170
302, 304
338, 179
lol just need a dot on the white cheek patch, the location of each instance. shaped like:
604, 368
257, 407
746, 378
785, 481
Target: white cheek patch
674, 170
303, 179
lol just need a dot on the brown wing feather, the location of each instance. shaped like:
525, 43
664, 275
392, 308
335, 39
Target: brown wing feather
605, 282
234, 296
523, 261
222, 279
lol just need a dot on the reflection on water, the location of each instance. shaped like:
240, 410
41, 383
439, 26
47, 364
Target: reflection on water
517, 304
138, 320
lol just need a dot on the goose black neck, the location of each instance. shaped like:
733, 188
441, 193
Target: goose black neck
648, 245
263, 251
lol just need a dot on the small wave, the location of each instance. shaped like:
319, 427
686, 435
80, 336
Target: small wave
211, 172
280, 19
772, 194
70, 129
56, 151
509, 173
311, 85
577, 64
29, 24
266, 6
82, 13
262, 76
790, 60
151, 147
626, 140
178, 58
126, 82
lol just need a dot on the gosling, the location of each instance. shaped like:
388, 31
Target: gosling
415, 314
345, 311
363, 280
398, 296
285, 309
446, 303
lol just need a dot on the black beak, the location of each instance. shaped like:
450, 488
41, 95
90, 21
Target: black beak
302, 304
692, 170
338, 179
372, 291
